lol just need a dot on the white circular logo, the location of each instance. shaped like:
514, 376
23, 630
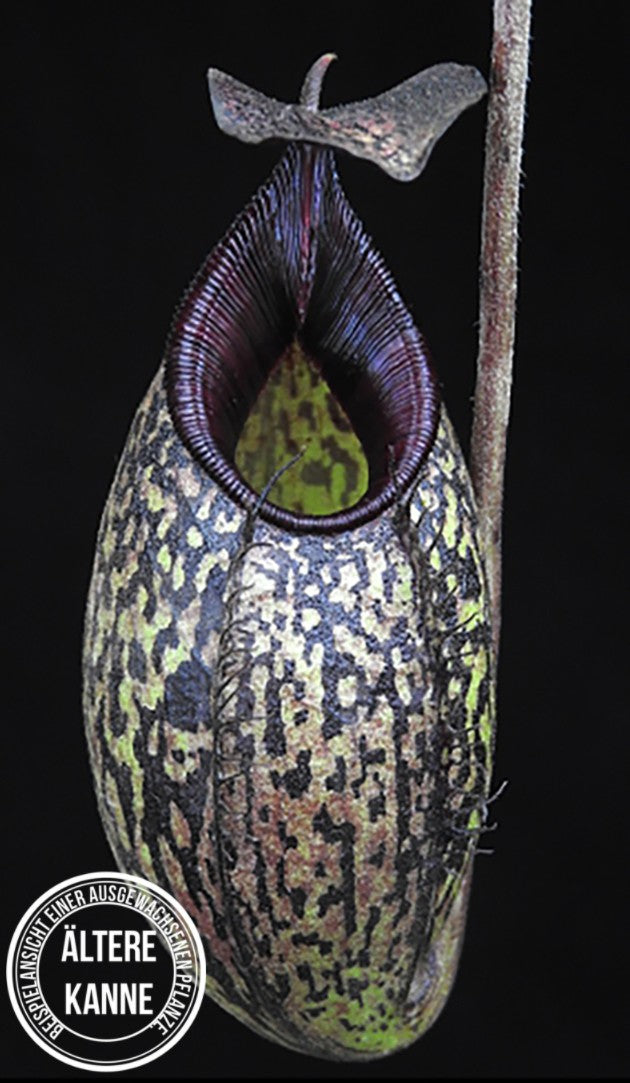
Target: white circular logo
90, 979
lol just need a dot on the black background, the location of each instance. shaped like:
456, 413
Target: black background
119, 185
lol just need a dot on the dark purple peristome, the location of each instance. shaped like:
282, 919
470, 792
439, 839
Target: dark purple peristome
298, 263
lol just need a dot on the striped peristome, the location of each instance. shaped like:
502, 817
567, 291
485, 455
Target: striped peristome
290, 715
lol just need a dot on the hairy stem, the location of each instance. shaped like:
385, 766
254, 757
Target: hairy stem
506, 114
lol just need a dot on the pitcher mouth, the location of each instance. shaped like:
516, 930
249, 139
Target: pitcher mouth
296, 281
